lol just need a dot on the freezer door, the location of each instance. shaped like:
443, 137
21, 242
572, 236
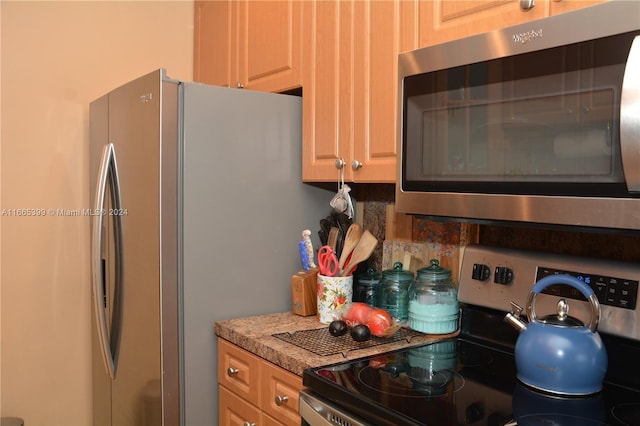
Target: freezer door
133, 133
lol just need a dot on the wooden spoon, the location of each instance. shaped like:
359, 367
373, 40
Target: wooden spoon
350, 241
363, 250
332, 241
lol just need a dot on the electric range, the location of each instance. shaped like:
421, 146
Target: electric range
471, 379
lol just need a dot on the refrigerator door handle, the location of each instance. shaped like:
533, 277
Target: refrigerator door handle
107, 177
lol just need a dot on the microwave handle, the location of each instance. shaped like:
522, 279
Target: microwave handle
630, 118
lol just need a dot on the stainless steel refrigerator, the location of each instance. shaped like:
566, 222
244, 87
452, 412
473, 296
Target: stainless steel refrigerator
198, 206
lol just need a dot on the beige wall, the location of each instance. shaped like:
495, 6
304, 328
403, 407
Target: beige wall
56, 57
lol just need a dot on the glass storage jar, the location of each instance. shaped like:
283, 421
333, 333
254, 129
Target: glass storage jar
433, 301
366, 287
393, 292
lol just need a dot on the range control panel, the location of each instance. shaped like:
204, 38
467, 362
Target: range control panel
612, 291
494, 277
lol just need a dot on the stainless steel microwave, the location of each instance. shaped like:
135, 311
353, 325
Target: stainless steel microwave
538, 122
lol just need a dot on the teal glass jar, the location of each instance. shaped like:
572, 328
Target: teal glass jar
433, 301
393, 292
365, 288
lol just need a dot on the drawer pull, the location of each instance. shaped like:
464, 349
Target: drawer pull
281, 400
248, 424
527, 5
232, 371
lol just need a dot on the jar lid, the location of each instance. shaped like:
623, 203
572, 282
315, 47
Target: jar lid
434, 272
370, 277
397, 273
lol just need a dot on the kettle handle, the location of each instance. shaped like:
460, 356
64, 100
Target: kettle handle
581, 286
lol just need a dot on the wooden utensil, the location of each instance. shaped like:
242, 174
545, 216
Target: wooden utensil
350, 241
360, 253
332, 241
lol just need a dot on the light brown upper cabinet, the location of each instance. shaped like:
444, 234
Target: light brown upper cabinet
254, 45
350, 89
444, 20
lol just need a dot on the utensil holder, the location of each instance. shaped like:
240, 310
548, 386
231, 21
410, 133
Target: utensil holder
334, 295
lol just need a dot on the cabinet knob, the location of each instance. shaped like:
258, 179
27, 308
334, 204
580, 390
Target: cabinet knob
281, 399
340, 163
355, 164
239, 85
248, 424
527, 4
232, 371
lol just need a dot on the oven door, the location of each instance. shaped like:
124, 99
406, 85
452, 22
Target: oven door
317, 411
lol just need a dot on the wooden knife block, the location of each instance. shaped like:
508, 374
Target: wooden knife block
303, 292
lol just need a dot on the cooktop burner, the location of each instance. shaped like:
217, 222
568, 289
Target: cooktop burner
396, 380
627, 413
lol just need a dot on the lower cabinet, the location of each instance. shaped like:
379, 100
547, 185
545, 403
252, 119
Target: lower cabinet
253, 391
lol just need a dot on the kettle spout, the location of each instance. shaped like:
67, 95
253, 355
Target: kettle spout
513, 317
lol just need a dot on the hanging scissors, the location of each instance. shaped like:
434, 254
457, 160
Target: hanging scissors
328, 262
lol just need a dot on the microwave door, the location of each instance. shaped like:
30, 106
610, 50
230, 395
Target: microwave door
630, 118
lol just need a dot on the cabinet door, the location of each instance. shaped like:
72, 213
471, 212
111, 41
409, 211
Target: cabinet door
248, 44
269, 45
234, 411
239, 371
215, 59
379, 35
326, 114
279, 395
444, 20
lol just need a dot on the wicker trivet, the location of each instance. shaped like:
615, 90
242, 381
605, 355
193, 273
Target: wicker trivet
321, 342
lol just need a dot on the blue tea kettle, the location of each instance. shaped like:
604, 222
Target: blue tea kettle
558, 353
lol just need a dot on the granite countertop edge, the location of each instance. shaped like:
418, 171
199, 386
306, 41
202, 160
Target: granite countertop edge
255, 334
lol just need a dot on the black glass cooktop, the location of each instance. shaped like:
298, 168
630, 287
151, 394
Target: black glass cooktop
461, 381
457, 382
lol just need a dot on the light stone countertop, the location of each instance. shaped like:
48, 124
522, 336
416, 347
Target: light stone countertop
255, 335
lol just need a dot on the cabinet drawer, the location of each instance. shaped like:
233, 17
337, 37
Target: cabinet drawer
279, 397
239, 371
267, 420
235, 411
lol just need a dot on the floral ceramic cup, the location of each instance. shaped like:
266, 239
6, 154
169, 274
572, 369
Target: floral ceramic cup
334, 294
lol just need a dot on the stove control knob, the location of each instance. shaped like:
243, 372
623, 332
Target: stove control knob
503, 275
480, 272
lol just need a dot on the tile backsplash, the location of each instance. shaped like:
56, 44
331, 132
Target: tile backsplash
418, 238
426, 239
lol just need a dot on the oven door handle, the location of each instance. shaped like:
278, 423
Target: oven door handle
317, 413
630, 119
